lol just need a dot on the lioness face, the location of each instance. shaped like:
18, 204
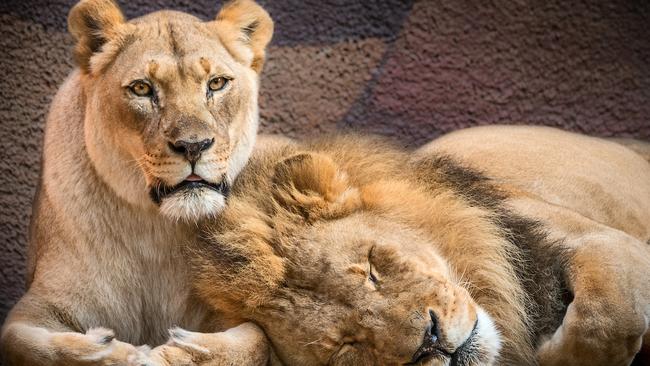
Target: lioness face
180, 107
175, 98
365, 291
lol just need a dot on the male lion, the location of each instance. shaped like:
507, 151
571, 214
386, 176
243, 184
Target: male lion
350, 252
142, 139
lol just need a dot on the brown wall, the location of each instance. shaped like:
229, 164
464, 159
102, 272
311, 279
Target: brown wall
412, 70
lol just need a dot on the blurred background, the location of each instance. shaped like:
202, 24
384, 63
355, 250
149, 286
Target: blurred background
407, 69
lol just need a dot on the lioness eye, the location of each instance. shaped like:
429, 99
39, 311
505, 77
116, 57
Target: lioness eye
217, 83
141, 88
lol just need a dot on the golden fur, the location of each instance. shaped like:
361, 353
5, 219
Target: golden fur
103, 253
339, 249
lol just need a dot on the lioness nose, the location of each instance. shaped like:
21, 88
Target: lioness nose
191, 150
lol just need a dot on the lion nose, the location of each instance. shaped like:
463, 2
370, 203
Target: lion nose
433, 331
432, 334
191, 150
430, 344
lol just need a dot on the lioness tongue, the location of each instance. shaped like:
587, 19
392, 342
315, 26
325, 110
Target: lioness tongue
193, 178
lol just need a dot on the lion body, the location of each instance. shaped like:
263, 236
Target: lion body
546, 231
593, 196
598, 179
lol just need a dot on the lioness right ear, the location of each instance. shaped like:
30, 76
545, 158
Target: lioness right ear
93, 23
313, 185
245, 28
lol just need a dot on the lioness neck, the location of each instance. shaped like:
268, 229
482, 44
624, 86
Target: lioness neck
73, 182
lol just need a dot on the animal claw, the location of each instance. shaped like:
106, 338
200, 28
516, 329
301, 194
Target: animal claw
101, 336
185, 340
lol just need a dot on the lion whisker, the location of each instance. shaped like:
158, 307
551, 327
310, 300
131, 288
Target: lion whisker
139, 162
316, 342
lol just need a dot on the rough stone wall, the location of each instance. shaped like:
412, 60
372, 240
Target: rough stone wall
408, 69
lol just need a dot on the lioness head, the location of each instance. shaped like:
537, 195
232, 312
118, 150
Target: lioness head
334, 282
171, 107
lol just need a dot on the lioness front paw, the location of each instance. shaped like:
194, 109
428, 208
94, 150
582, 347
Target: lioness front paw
97, 346
242, 345
195, 344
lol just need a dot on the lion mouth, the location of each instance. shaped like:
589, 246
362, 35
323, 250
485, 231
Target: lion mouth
160, 191
430, 350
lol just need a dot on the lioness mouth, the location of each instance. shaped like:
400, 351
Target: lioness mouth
160, 191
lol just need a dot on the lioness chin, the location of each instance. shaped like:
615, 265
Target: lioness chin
142, 140
348, 251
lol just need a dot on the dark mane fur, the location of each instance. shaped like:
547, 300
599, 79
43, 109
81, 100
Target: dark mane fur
539, 262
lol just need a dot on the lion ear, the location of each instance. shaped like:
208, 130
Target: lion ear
314, 185
234, 267
93, 23
245, 28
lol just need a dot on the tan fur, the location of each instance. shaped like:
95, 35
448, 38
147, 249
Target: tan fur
101, 253
307, 222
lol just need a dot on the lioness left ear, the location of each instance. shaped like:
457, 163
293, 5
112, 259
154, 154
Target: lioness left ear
313, 185
245, 28
93, 23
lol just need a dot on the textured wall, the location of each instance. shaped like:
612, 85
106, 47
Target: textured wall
408, 69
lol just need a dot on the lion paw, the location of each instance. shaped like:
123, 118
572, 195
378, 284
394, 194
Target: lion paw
580, 340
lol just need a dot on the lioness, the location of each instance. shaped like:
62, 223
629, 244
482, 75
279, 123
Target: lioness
142, 139
351, 252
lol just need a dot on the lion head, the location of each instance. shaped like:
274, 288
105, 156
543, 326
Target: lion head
170, 101
315, 253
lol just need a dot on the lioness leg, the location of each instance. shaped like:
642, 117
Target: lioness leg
243, 345
609, 274
37, 338
33, 337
